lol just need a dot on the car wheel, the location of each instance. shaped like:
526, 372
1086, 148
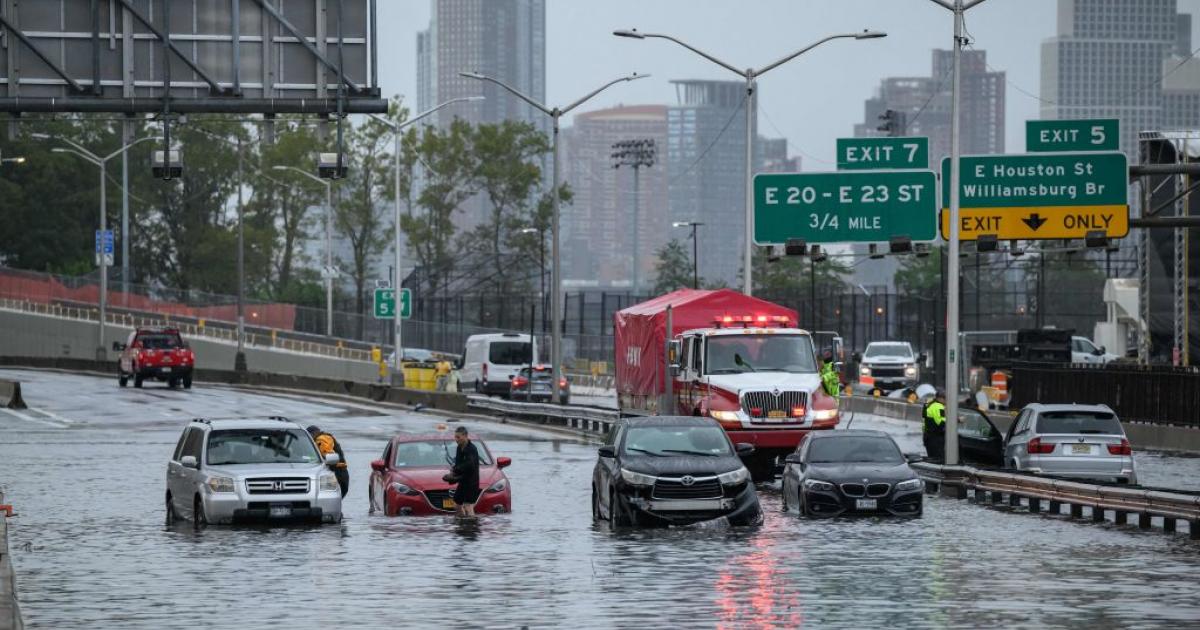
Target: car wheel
187, 382
805, 511
137, 381
172, 383
199, 520
617, 517
371, 499
171, 516
595, 505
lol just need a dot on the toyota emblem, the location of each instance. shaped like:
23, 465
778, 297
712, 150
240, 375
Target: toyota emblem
687, 480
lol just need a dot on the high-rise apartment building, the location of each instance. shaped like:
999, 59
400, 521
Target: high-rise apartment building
706, 153
600, 229
1112, 59
926, 101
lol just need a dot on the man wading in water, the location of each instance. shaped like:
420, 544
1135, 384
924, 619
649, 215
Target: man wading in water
465, 473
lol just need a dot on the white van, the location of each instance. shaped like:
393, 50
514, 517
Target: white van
491, 361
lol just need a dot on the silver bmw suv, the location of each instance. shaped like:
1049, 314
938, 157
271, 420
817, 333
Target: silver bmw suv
238, 470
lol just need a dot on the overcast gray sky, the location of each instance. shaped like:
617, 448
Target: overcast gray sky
812, 100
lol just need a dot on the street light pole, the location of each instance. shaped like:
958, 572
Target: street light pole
398, 244
328, 274
958, 7
102, 162
750, 74
555, 254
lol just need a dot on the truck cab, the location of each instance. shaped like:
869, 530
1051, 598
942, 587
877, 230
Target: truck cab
759, 380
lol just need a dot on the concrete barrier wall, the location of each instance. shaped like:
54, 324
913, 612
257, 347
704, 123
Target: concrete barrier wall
30, 335
10, 611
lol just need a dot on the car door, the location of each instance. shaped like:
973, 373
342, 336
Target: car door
175, 469
379, 480
189, 478
1014, 447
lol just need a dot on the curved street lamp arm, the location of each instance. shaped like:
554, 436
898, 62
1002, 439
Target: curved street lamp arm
482, 77
698, 52
129, 146
780, 62
633, 77
83, 154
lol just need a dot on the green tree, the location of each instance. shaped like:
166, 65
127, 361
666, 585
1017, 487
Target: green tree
921, 275
673, 270
793, 275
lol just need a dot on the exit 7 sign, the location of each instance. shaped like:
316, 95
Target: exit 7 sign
882, 153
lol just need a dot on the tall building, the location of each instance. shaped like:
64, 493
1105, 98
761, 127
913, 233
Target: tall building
1110, 59
926, 102
503, 39
706, 153
600, 230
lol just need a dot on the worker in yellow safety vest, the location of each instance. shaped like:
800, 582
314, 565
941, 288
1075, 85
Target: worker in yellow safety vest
830, 381
933, 427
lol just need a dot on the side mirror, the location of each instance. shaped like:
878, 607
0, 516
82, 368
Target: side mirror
503, 462
674, 348
331, 459
1101, 350
118, 346
793, 458
378, 465
744, 448
511, 376
607, 451
912, 458
189, 461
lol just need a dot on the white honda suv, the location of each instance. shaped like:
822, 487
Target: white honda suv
239, 470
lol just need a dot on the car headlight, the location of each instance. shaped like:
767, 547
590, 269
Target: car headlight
911, 484
735, 477
637, 479
221, 484
401, 489
864, 371
499, 486
717, 414
910, 370
825, 414
817, 484
329, 483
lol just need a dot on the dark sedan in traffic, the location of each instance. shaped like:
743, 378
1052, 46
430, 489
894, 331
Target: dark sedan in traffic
851, 472
672, 470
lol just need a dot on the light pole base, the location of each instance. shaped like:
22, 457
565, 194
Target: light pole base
101, 353
239, 362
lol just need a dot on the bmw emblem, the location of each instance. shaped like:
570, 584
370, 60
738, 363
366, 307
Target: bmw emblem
687, 480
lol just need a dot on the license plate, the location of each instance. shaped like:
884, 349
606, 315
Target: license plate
866, 504
1081, 449
447, 504
280, 511
776, 414
165, 370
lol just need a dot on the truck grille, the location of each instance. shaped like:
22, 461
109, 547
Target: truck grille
767, 402
285, 485
674, 488
888, 371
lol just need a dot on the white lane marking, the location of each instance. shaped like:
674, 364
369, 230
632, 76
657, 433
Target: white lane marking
54, 416
27, 418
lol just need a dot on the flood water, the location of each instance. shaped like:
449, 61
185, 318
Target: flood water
85, 469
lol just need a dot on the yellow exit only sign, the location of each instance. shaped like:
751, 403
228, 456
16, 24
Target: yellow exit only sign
1038, 223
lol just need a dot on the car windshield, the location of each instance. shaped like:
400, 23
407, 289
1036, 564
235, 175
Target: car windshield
261, 446
679, 440
1077, 422
510, 352
734, 354
854, 449
432, 453
160, 342
888, 350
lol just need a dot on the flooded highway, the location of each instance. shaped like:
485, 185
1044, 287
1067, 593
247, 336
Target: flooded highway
85, 468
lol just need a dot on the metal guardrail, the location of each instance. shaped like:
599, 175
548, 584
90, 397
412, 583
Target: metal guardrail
997, 487
591, 420
221, 333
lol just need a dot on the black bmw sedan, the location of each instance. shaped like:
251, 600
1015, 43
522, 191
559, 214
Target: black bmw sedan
672, 470
851, 472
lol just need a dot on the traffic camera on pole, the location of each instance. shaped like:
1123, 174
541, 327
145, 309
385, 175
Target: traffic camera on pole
166, 164
331, 166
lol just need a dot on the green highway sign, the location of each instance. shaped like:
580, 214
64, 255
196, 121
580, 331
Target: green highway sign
860, 206
385, 303
882, 153
1099, 134
1039, 195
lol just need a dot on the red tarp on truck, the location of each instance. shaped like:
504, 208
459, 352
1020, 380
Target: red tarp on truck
640, 331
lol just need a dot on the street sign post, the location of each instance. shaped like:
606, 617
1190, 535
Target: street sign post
1099, 134
882, 153
860, 206
385, 303
1040, 195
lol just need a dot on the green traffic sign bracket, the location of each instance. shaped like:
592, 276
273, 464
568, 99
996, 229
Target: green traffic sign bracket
882, 153
1096, 134
844, 206
385, 304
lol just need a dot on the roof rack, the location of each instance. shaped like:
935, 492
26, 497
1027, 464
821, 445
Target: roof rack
279, 418
204, 420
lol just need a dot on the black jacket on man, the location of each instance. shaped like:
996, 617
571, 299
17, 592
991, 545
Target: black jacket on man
466, 469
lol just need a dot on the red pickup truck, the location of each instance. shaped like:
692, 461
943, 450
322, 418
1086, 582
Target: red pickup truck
155, 353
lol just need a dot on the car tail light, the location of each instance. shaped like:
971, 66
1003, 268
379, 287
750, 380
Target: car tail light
1120, 449
797, 412
520, 381
756, 411
485, 371
1036, 447
562, 383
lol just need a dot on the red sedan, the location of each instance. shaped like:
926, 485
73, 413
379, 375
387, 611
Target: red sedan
408, 479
